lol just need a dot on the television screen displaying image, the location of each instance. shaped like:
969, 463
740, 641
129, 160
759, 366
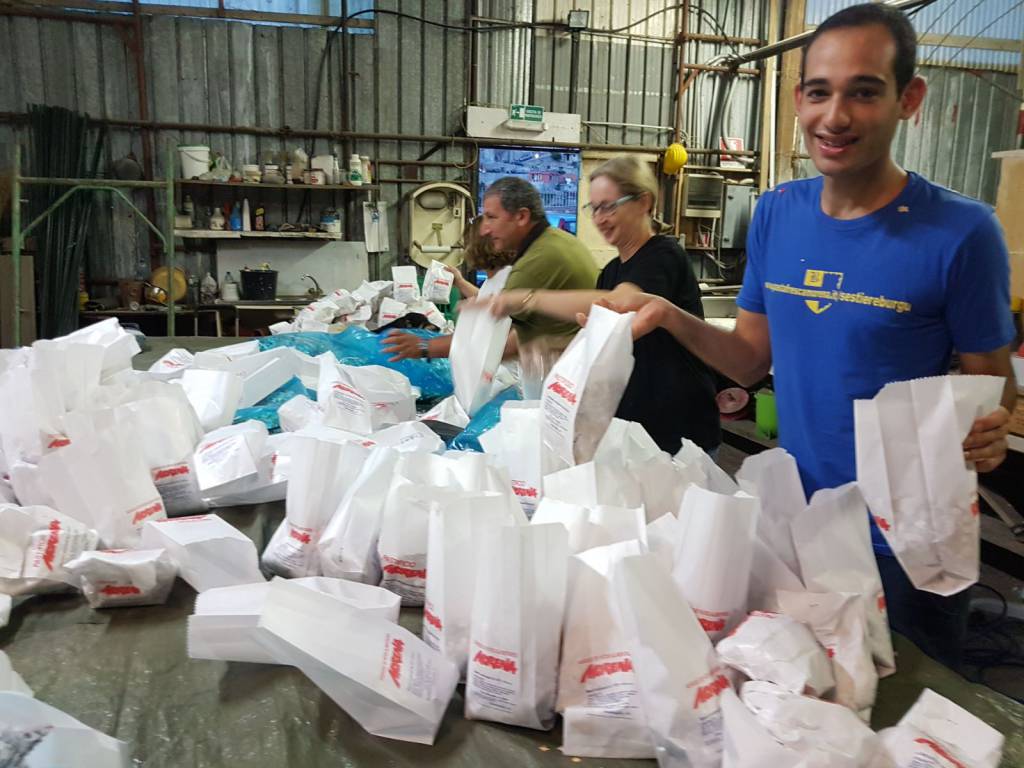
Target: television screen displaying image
555, 174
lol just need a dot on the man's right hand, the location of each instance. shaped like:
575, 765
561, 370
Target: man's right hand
651, 311
401, 346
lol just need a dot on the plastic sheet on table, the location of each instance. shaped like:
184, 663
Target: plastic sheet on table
266, 409
486, 418
357, 346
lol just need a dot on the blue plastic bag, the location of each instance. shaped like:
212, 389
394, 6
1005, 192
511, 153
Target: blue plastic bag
358, 346
486, 418
266, 409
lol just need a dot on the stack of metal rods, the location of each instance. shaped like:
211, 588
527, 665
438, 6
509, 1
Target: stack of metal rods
59, 148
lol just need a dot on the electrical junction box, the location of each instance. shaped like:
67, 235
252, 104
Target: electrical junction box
737, 210
520, 122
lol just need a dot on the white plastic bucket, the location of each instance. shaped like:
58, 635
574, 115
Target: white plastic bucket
195, 161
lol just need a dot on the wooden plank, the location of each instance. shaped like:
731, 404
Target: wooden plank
769, 102
268, 83
218, 73
87, 77
243, 92
1011, 192
786, 142
293, 76
58, 63
193, 79
10, 100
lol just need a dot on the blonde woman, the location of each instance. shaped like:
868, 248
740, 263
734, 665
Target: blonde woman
671, 392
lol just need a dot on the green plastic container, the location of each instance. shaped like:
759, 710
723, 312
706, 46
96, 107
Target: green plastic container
765, 415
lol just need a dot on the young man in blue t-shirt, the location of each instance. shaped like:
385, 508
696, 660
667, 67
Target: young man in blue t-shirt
863, 276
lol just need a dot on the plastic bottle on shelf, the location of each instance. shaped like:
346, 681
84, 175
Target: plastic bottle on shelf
208, 289
355, 171
246, 217
259, 219
367, 170
236, 218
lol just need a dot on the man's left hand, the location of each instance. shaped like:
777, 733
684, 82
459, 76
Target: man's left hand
986, 445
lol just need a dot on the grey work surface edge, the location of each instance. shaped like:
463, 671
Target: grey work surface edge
126, 672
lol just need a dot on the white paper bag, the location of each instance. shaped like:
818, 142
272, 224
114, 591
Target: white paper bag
172, 365
516, 625
839, 623
269, 483
910, 468
209, 552
663, 539
450, 412
229, 456
28, 487
712, 563
747, 743
365, 398
583, 389
691, 457
75, 368
406, 285
35, 544
593, 484
456, 528
119, 346
768, 575
678, 675
772, 476
102, 480
31, 423
824, 734
597, 687
372, 293
214, 395
516, 443
596, 527
407, 437
10, 680
437, 285
936, 733
224, 625
299, 412
390, 310
321, 471
662, 481
833, 541
477, 347
122, 577
348, 545
391, 682
44, 737
781, 650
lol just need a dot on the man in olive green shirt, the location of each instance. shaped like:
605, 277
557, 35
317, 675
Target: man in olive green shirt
548, 259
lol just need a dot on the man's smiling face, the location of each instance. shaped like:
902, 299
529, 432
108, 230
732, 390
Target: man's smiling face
848, 103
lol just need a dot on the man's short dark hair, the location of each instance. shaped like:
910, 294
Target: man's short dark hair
515, 193
865, 14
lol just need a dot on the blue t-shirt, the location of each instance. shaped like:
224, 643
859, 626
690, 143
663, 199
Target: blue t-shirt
853, 305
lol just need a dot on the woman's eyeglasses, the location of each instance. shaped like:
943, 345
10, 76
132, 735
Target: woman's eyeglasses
605, 208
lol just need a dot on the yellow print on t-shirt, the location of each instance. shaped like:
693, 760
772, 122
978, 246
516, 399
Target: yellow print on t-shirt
821, 289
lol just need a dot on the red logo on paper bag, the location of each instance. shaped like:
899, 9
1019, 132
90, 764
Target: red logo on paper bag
881, 603
707, 692
346, 388
608, 668
431, 619
831, 651
395, 669
187, 519
524, 490
940, 751
562, 391
300, 536
401, 570
712, 625
119, 590
975, 509
153, 509
502, 665
208, 446
882, 523
166, 472
58, 441
50, 551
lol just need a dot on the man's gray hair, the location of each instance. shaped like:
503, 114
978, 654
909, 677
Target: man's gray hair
515, 193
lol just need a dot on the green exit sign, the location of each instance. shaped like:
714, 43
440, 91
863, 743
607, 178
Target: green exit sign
527, 113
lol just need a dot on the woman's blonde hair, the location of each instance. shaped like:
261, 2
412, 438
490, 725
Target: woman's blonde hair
480, 252
633, 177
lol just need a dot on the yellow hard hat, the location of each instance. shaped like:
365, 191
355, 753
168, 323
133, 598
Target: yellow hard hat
675, 158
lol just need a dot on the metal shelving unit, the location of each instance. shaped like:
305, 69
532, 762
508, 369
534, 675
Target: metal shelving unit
115, 186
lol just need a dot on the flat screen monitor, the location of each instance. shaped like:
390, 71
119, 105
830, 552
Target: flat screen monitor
555, 174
